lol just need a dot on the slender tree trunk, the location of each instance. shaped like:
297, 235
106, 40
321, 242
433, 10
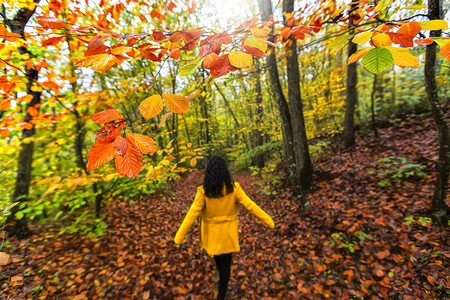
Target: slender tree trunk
25, 159
352, 94
186, 128
265, 6
438, 205
304, 166
227, 104
259, 159
373, 96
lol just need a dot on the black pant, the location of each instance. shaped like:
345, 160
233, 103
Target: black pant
223, 263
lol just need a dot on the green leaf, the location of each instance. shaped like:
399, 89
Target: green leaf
19, 215
191, 67
434, 25
441, 41
338, 41
377, 60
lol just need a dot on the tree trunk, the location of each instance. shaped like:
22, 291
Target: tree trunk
438, 205
20, 228
372, 104
265, 6
304, 166
352, 94
259, 158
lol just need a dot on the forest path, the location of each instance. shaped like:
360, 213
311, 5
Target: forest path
357, 238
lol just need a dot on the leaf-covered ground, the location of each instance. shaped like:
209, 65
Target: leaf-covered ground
366, 235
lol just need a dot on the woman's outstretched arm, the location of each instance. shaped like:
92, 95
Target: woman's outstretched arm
191, 216
252, 207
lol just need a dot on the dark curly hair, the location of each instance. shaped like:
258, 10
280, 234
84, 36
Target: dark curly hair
216, 176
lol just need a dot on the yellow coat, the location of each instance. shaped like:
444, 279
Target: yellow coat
219, 220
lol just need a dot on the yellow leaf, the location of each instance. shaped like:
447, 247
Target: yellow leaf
100, 62
403, 58
260, 32
177, 104
151, 106
414, 7
434, 25
255, 42
381, 40
357, 55
382, 4
110, 177
362, 37
193, 162
120, 50
240, 59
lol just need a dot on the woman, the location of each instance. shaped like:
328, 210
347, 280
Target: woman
217, 204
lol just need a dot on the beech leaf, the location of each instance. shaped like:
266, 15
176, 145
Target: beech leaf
51, 22
100, 154
377, 60
176, 104
144, 143
106, 116
240, 59
130, 164
151, 106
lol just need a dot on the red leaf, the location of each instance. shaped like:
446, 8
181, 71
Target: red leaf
210, 58
109, 133
130, 164
99, 154
51, 22
100, 50
221, 66
106, 116
253, 51
158, 35
52, 41
120, 146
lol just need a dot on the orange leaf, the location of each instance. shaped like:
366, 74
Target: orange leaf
357, 55
51, 22
431, 280
349, 274
176, 104
106, 116
424, 42
109, 133
144, 143
100, 62
411, 29
4, 258
175, 53
99, 154
4, 132
379, 272
318, 287
130, 164
209, 59
445, 51
5, 105
32, 111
